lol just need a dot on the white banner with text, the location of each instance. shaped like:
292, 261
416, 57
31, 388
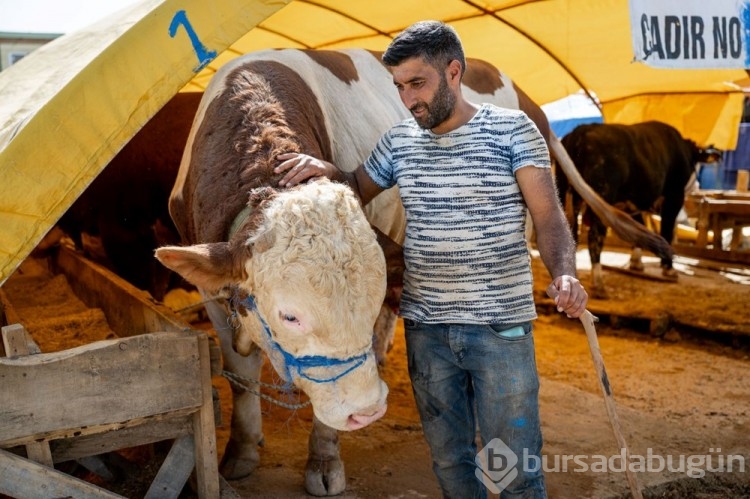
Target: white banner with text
691, 34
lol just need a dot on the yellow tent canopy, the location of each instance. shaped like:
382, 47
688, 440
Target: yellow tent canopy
69, 107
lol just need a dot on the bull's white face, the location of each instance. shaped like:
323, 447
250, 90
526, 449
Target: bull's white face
317, 276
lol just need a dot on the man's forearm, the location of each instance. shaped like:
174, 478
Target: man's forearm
556, 247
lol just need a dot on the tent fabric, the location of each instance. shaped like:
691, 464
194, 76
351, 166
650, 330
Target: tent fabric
68, 108
551, 49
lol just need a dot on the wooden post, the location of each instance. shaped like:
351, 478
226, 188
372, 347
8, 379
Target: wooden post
16, 343
743, 176
204, 431
25, 478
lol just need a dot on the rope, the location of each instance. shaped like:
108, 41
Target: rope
300, 364
241, 383
306, 363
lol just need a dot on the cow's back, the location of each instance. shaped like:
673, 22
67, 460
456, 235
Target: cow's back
334, 105
662, 145
633, 163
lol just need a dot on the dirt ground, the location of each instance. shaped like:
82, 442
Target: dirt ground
677, 355
685, 393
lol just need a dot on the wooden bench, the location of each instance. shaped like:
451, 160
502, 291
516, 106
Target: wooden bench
101, 397
717, 211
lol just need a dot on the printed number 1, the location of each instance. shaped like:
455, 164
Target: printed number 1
204, 56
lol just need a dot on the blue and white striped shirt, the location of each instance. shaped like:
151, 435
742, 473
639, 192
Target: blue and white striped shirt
466, 256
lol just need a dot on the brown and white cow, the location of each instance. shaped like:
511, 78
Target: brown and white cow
330, 104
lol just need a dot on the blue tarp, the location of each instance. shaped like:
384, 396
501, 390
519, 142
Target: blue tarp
739, 159
569, 112
564, 127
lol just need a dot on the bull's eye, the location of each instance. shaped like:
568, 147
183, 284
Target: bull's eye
288, 317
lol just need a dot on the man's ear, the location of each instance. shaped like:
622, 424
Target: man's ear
454, 71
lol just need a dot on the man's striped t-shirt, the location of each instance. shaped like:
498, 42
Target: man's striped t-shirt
466, 256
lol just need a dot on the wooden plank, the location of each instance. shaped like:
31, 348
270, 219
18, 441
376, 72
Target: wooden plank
18, 342
76, 432
129, 310
204, 430
696, 251
14, 340
21, 343
702, 225
154, 430
697, 196
725, 207
174, 471
642, 274
107, 382
717, 266
24, 478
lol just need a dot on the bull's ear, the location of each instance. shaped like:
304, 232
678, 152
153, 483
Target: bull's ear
208, 266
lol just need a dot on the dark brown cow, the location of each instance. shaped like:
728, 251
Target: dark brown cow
641, 167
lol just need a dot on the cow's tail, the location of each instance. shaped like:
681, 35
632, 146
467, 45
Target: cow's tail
620, 222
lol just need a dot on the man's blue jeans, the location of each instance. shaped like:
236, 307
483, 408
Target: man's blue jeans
457, 369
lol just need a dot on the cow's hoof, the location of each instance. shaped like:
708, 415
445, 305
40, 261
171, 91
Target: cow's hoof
237, 464
669, 272
325, 478
236, 469
637, 265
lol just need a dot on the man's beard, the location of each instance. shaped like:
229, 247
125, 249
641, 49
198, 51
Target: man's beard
440, 109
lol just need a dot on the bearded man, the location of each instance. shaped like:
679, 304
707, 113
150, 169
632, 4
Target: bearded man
467, 175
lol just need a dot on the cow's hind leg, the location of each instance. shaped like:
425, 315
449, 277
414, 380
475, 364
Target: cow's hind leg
636, 259
324, 473
597, 231
669, 211
636, 255
241, 454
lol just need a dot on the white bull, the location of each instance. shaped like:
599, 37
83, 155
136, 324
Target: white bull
306, 278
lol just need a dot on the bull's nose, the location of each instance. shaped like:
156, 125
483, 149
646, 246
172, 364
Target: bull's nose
364, 418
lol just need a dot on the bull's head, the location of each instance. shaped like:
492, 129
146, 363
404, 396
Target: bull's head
699, 154
709, 154
309, 279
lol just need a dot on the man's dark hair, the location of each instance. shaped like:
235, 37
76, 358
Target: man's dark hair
434, 41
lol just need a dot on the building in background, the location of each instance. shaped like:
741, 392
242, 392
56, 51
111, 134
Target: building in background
15, 46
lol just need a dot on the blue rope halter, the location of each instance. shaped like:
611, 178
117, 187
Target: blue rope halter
306, 362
